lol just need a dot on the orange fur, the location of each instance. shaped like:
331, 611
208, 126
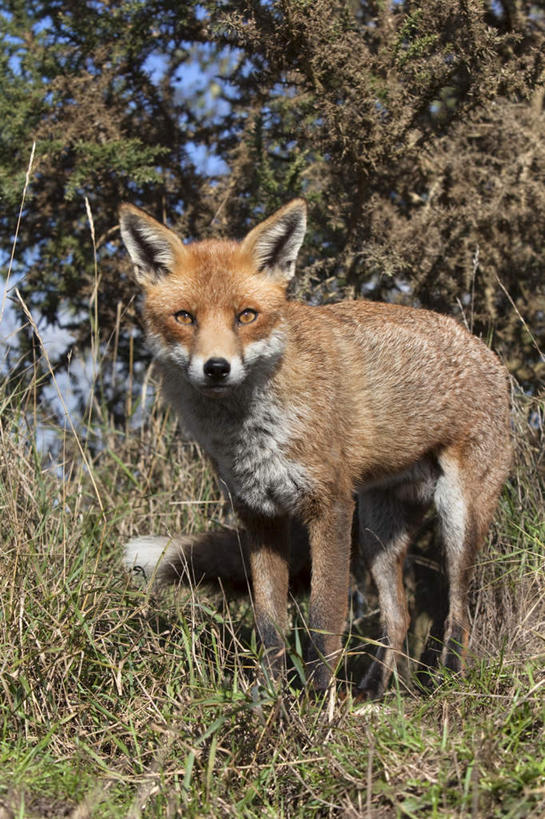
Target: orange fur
300, 408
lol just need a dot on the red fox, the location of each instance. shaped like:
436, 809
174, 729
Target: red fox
304, 408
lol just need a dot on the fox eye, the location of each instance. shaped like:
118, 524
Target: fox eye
247, 316
183, 317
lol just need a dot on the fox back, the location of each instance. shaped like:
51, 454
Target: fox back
302, 408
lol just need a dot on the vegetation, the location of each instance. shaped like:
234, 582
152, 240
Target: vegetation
119, 703
415, 130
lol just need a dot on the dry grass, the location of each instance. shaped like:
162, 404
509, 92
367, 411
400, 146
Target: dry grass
115, 703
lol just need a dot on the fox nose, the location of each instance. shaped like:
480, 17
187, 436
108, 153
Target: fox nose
216, 369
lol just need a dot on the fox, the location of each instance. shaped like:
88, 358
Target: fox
306, 411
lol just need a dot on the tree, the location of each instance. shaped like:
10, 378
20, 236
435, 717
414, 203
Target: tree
414, 129
419, 129
95, 85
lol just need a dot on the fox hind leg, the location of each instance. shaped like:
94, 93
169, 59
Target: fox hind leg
387, 523
465, 497
459, 547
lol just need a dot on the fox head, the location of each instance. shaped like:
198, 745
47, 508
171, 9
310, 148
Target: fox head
214, 309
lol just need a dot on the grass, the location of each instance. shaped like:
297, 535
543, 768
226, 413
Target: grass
117, 703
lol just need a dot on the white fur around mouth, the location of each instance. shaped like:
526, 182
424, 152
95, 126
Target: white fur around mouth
201, 382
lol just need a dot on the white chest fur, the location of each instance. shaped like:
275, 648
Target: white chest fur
248, 438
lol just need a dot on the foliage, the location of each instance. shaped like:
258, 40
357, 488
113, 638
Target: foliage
415, 130
79, 81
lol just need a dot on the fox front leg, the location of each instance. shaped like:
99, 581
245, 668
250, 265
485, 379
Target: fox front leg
269, 562
330, 540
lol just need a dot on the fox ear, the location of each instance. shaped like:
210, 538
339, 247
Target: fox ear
153, 248
274, 244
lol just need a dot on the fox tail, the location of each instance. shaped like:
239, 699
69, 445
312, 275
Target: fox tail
209, 557
215, 556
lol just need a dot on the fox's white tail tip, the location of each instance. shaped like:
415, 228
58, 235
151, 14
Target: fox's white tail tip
143, 555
